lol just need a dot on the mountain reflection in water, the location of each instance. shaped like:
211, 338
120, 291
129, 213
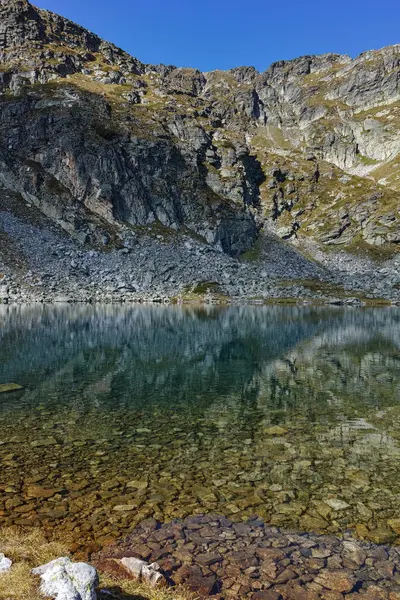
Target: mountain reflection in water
130, 411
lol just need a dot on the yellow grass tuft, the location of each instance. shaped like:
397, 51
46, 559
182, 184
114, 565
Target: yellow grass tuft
131, 590
29, 548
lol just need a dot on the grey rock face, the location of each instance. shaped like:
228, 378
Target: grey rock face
109, 173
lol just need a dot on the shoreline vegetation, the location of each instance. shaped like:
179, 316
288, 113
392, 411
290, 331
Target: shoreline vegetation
29, 548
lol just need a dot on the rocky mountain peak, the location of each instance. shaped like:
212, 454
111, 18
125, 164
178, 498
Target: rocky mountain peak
105, 145
20, 22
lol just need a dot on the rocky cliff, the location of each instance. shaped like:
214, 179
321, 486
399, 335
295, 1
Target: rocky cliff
125, 164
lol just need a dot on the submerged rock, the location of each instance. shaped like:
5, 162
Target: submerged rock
276, 430
10, 387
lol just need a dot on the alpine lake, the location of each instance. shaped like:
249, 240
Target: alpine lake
128, 412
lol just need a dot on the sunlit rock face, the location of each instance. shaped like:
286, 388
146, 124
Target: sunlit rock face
101, 142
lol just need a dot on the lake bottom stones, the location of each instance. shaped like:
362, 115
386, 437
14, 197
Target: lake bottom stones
216, 557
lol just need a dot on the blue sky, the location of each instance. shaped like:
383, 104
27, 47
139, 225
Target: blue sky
211, 34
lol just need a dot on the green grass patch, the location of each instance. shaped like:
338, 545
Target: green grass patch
205, 287
366, 160
254, 253
378, 254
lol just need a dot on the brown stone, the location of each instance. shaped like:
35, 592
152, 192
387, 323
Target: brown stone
385, 568
244, 559
112, 567
25, 508
169, 564
395, 525
380, 535
162, 534
184, 554
184, 573
159, 553
334, 562
266, 595
141, 550
194, 579
35, 491
270, 569
362, 531
201, 584
338, 581
232, 570
208, 559
332, 596
286, 575
244, 590
73, 547
375, 592
294, 591
379, 553
270, 554
106, 540
315, 564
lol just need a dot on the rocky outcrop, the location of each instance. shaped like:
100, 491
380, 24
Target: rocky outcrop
107, 177
110, 173
24, 25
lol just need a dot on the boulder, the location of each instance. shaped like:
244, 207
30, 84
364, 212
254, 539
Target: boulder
64, 580
5, 563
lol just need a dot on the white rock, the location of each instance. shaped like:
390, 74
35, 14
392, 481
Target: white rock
143, 571
65, 580
5, 563
134, 566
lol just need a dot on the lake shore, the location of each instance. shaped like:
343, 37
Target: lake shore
214, 556
210, 556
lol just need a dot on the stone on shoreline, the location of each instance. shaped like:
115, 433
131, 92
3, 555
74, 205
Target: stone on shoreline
64, 580
5, 563
142, 571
